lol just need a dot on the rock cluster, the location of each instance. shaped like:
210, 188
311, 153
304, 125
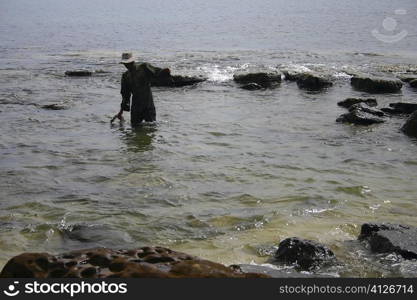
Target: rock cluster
360, 112
391, 238
150, 262
160, 262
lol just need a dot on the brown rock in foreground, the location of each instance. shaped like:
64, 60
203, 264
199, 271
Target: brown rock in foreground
147, 262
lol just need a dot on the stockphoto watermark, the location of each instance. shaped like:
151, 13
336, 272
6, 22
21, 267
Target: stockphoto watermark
390, 33
64, 288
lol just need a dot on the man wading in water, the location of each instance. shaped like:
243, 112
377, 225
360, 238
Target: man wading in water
136, 81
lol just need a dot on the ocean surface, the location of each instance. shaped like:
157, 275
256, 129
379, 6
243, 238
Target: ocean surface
224, 173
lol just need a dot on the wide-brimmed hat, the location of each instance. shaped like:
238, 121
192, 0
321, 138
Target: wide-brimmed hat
127, 58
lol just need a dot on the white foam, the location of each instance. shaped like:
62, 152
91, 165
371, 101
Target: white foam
217, 74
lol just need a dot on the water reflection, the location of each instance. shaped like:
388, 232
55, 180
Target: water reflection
139, 138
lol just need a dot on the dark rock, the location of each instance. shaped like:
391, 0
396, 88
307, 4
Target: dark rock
176, 81
359, 116
410, 126
291, 75
79, 73
363, 107
264, 79
403, 107
392, 111
149, 262
391, 238
351, 101
100, 71
413, 83
76, 235
251, 87
407, 78
53, 106
376, 84
305, 254
312, 82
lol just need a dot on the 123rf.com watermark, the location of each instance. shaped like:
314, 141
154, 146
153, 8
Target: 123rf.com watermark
390, 32
64, 288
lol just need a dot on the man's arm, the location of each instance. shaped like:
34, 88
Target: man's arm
126, 92
154, 72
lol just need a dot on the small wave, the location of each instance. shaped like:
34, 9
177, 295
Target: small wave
342, 75
215, 73
299, 68
367, 54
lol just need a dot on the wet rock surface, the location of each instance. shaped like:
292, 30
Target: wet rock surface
263, 79
360, 115
351, 101
54, 106
313, 82
176, 81
390, 238
413, 83
305, 254
400, 108
148, 262
365, 108
251, 87
407, 78
376, 84
78, 73
410, 126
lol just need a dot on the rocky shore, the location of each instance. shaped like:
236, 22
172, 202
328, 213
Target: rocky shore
361, 111
160, 262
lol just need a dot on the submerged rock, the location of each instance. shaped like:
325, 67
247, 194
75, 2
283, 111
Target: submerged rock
407, 78
53, 106
176, 81
79, 73
360, 115
391, 238
351, 101
148, 262
365, 108
400, 108
313, 82
410, 126
251, 87
376, 84
274, 273
264, 79
305, 254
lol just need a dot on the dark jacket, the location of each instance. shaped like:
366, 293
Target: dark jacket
138, 84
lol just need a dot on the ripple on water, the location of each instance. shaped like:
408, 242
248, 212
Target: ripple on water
245, 199
411, 162
360, 191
